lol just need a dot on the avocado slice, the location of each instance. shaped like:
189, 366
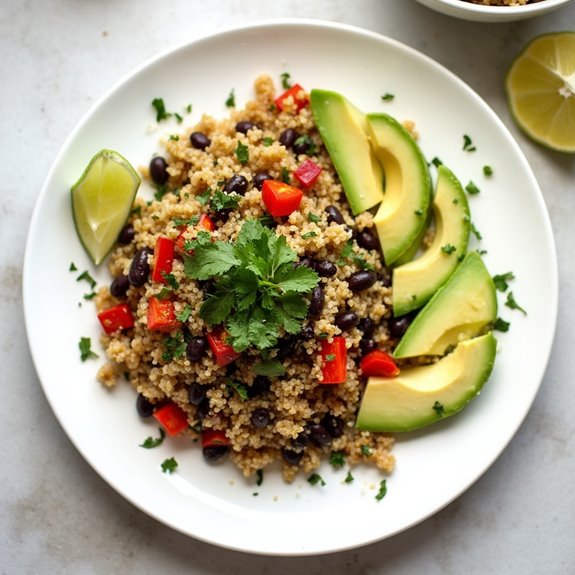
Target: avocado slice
343, 129
403, 211
422, 395
459, 310
415, 282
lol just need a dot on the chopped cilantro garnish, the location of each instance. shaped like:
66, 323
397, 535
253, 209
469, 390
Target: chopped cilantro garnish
388, 97
267, 141
73, 267
475, 232
178, 117
188, 109
337, 459
179, 222
173, 137
349, 477
258, 292
169, 465
259, 477
448, 248
159, 106
204, 197
315, 478
151, 442
285, 78
382, 490
438, 408
305, 140
471, 188
308, 235
487, 171
468, 144
171, 279
348, 253
174, 347
160, 192
85, 276
313, 218
501, 325
184, 314
436, 162
239, 388
285, 177
242, 153
89, 296
500, 281
511, 303
270, 368
85, 346
330, 357
222, 201
366, 450
418, 212
231, 101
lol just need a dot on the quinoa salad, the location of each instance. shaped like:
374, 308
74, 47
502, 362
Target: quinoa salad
246, 314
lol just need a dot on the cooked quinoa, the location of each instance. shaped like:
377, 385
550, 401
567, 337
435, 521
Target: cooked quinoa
301, 420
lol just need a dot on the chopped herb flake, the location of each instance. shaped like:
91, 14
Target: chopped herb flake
231, 101
501, 325
471, 188
448, 248
85, 276
285, 177
438, 408
366, 450
184, 314
487, 171
315, 478
173, 137
387, 97
349, 477
259, 477
475, 232
239, 388
418, 212
500, 281
512, 304
169, 465
73, 267
171, 279
468, 144
305, 140
382, 490
313, 218
285, 78
270, 368
174, 347
337, 459
85, 346
330, 357
223, 201
242, 153
436, 162
151, 442
267, 141
308, 235
159, 106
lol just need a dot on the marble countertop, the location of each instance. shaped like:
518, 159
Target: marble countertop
58, 516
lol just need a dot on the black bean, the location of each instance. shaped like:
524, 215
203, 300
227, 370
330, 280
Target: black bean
222, 216
385, 278
367, 326
196, 348
346, 320
325, 268
286, 347
199, 140
300, 442
140, 268
288, 137
204, 408
366, 345
334, 215
245, 126
214, 453
197, 393
144, 406
119, 286
306, 333
260, 178
238, 184
159, 170
398, 326
333, 425
260, 385
260, 417
367, 240
291, 457
126, 235
319, 436
316, 302
362, 280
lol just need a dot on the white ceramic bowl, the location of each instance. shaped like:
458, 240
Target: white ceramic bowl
480, 13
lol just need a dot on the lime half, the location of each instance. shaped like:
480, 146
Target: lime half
541, 90
101, 202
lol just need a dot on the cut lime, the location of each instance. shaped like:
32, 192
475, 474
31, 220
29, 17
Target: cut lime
101, 202
541, 90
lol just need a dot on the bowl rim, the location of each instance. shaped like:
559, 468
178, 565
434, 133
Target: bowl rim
465, 6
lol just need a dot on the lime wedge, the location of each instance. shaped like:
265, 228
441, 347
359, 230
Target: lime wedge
541, 90
101, 202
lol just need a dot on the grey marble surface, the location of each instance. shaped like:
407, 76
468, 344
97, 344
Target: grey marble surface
57, 516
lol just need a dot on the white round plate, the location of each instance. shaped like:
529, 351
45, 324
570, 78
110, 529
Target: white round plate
216, 504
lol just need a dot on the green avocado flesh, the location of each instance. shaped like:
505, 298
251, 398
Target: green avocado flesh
415, 282
403, 211
420, 396
343, 130
459, 310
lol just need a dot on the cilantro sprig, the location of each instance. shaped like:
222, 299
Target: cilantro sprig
258, 292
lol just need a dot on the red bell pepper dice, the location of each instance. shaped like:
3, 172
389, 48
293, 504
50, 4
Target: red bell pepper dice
205, 224
334, 360
161, 315
307, 173
212, 437
172, 418
115, 318
298, 94
223, 352
163, 259
280, 199
377, 363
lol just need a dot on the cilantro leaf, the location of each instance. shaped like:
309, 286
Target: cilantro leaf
512, 303
500, 281
222, 201
270, 368
85, 346
151, 442
382, 490
169, 465
209, 260
300, 280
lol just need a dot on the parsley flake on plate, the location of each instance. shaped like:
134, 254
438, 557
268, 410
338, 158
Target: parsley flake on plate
85, 346
382, 490
500, 281
315, 478
169, 465
151, 442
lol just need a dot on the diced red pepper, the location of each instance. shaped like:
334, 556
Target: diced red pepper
172, 418
279, 198
115, 318
298, 94
161, 315
307, 173
212, 437
163, 259
334, 360
223, 352
377, 363
205, 223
